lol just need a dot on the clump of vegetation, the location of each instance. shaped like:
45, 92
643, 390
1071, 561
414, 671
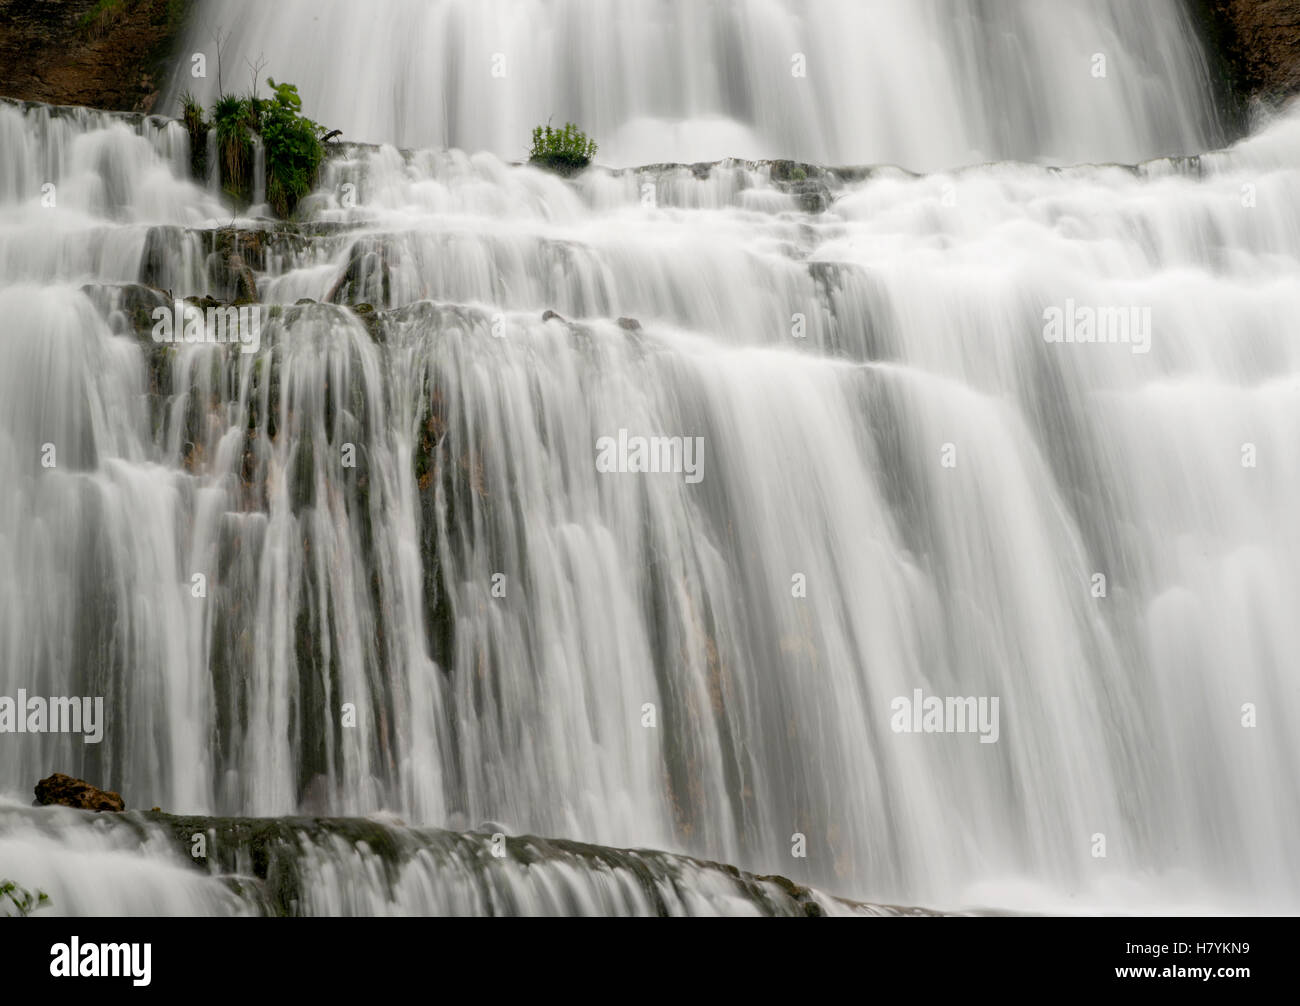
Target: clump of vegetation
294, 144
104, 15
566, 150
21, 902
234, 119
197, 125
96, 21
788, 171
294, 148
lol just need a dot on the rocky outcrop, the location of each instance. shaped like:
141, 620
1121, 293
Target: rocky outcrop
367, 275
109, 54
269, 862
66, 791
1256, 45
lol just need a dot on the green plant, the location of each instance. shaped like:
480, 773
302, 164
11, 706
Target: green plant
192, 112
233, 117
197, 125
293, 147
566, 150
293, 144
22, 900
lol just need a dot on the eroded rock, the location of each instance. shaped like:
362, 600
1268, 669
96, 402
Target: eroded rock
65, 791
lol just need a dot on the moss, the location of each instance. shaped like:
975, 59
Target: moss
788, 171
101, 17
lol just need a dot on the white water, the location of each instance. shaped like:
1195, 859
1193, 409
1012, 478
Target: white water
128, 867
922, 83
923, 300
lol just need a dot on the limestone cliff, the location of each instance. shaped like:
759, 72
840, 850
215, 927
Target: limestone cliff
108, 54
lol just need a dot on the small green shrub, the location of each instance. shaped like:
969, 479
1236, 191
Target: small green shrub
566, 150
233, 117
293, 148
294, 144
22, 901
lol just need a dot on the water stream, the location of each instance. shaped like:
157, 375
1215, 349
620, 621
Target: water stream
372, 567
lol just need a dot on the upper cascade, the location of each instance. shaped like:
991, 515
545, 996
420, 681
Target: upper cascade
925, 84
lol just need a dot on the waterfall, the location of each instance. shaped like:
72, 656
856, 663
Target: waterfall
926, 84
373, 564
137, 864
213, 179
259, 174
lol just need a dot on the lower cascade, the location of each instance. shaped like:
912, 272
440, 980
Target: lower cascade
360, 867
749, 536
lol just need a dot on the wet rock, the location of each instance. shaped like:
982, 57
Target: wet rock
813, 195
790, 171
132, 303
66, 791
553, 315
233, 256
629, 324
162, 250
269, 859
369, 272
204, 303
242, 277
1256, 43
565, 167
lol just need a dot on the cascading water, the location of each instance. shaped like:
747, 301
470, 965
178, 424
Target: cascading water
922, 83
371, 565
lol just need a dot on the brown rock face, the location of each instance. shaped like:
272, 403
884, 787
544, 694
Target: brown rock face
69, 792
1259, 43
71, 52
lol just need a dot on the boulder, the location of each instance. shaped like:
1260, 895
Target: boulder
241, 276
69, 792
